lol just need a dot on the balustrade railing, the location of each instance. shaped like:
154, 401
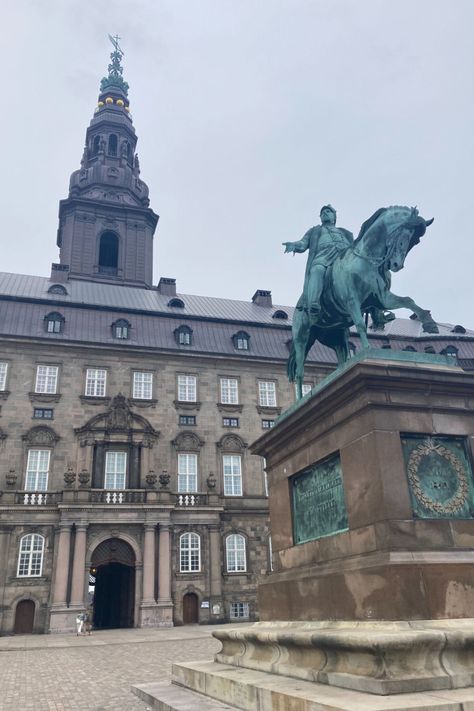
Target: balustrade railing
37, 498
113, 496
187, 500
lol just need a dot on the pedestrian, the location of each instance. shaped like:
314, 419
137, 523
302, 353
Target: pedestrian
80, 624
88, 621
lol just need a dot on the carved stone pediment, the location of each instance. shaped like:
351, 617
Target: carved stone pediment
118, 419
188, 441
41, 435
231, 443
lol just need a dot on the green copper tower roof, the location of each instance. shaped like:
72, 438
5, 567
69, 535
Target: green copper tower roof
114, 81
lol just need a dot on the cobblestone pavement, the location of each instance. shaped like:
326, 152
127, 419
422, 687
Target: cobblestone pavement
59, 673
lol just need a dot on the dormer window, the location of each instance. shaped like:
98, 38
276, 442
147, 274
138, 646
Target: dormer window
121, 329
54, 322
176, 303
241, 341
458, 329
281, 315
57, 289
410, 349
450, 351
112, 149
429, 349
184, 335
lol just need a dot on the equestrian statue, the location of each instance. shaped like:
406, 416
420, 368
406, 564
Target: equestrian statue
347, 278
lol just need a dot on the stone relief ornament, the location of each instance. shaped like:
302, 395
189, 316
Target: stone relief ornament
11, 479
69, 477
84, 478
151, 479
164, 479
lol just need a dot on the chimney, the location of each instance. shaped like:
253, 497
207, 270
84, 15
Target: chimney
262, 298
59, 272
166, 286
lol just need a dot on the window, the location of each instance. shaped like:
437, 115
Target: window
108, 253
411, 349
352, 349
30, 560
305, 388
46, 379
187, 473
115, 470
229, 391
95, 145
239, 611
267, 424
95, 382
187, 420
266, 393
187, 388
450, 351
43, 413
183, 335
280, 314
235, 553
232, 465
241, 341
189, 553
429, 349
121, 329
3, 375
230, 421
57, 289
37, 470
112, 145
142, 386
270, 554
54, 322
176, 303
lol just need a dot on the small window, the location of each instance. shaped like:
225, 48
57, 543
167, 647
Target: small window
235, 553
230, 421
187, 388
43, 413
176, 303
113, 142
46, 379
57, 289
450, 351
267, 393
410, 349
267, 424
95, 145
54, 322
232, 466
429, 349
305, 388
96, 379
3, 375
239, 611
108, 253
121, 329
183, 335
241, 341
142, 386
187, 473
458, 329
115, 470
188, 420
30, 559
229, 391
280, 314
189, 553
37, 470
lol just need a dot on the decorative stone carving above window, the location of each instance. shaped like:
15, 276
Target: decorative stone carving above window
187, 442
186, 405
264, 410
227, 407
231, 443
118, 420
44, 397
41, 435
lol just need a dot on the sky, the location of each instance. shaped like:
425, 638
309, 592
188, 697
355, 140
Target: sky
250, 115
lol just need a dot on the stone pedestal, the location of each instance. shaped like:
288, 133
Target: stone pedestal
372, 509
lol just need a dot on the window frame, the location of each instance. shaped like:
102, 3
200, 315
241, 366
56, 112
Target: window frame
147, 373
54, 322
40, 474
187, 421
241, 341
245, 611
121, 329
95, 381
228, 390
43, 410
124, 474
230, 422
230, 479
188, 377
3, 375
49, 379
31, 555
187, 479
189, 563
236, 556
264, 391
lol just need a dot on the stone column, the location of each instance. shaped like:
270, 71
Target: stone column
148, 592
62, 565
164, 565
217, 610
5, 534
79, 566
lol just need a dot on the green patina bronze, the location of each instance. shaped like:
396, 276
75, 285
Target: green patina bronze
115, 79
440, 477
319, 507
347, 278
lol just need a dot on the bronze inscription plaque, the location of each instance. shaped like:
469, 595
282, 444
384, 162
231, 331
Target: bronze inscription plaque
319, 507
440, 476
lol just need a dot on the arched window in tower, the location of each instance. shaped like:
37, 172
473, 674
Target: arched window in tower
108, 253
95, 145
112, 151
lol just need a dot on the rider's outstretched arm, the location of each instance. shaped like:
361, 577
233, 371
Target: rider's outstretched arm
300, 246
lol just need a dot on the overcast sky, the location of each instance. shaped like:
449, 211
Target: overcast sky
250, 115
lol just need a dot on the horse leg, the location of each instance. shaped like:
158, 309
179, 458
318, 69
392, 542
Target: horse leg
392, 301
354, 309
301, 330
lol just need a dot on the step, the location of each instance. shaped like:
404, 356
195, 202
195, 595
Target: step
164, 696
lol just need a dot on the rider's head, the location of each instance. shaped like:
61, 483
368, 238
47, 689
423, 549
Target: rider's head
328, 215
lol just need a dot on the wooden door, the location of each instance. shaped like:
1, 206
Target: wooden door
190, 609
24, 617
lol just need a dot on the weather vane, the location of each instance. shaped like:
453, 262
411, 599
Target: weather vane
116, 45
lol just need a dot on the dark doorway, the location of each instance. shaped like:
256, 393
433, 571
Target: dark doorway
108, 253
190, 609
24, 617
114, 596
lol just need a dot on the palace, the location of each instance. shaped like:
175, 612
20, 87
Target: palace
127, 488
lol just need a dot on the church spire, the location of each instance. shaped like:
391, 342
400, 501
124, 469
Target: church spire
115, 79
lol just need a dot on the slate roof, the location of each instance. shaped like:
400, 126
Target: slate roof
90, 308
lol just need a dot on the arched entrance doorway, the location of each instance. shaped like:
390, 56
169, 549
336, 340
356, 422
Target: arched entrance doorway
190, 609
113, 572
24, 617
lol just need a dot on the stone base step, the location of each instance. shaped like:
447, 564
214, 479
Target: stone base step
249, 690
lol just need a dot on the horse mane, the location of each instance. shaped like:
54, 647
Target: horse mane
368, 223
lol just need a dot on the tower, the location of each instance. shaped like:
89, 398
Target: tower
106, 226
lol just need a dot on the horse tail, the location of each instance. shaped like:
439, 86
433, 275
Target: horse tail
291, 365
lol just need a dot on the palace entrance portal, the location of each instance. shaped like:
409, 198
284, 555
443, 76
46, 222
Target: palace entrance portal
113, 573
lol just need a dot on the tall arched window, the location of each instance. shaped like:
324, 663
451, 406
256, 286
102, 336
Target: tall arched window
108, 253
235, 553
30, 559
112, 150
95, 145
189, 553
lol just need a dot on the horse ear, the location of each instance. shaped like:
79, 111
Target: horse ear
429, 222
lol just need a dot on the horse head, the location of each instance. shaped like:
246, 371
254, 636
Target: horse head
403, 237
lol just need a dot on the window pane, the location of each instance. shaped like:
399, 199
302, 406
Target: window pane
229, 391
232, 475
46, 379
95, 382
187, 388
239, 610
30, 559
37, 469
115, 470
142, 386
189, 553
266, 393
235, 549
187, 473
3, 375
